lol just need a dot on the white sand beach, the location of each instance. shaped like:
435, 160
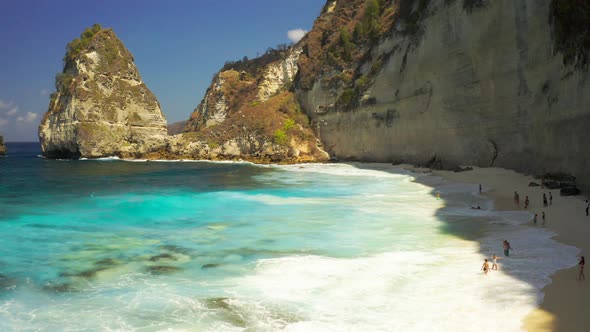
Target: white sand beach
566, 302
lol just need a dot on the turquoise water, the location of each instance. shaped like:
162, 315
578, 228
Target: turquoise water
199, 246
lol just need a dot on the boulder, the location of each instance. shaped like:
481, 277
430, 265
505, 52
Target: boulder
569, 191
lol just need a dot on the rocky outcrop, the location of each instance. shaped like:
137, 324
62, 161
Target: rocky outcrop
2, 146
176, 127
462, 82
249, 113
101, 106
278, 75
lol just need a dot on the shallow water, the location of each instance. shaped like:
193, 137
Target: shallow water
199, 246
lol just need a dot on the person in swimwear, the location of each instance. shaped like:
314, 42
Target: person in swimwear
495, 262
486, 266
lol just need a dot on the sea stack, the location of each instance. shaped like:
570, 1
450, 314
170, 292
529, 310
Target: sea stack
2, 146
101, 106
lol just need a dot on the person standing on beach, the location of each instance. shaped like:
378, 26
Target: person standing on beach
581, 275
480, 188
507, 247
535, 219
495, 262
437, 195
526, 202
516, 198
544, 200
543, 217
587, 207
550, 199
486, 266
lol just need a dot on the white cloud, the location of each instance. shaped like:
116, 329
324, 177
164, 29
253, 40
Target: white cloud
44, 92
4, 105
3, 122
12, 111
28, 118
296, 34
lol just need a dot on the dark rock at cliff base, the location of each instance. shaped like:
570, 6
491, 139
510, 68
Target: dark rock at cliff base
569, 191
534, 184
557, 176
551, 184
434, 163
462, 169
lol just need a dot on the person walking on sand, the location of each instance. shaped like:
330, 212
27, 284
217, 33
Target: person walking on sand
486, 266
526, 202
544, 200
535, 219
587, 207
507, 247
495, 262
480, 188
581, 275
550, 199
516, 198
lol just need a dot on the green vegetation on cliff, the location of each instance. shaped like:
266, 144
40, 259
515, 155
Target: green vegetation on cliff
74, 47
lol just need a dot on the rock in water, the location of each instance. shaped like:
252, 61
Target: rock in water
2, 146
101, 106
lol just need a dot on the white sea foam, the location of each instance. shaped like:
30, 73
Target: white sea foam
441, 289
421, 278
102, 158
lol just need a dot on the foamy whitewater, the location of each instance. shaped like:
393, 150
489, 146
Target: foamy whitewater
114, 245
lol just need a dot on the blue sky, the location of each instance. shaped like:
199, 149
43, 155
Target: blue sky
178, 46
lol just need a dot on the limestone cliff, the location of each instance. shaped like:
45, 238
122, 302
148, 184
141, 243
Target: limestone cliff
101, 106
249, 113
2, 146
490, 83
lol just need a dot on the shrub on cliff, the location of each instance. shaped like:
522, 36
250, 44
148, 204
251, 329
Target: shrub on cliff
74, 47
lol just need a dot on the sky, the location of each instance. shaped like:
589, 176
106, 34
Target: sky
178, 46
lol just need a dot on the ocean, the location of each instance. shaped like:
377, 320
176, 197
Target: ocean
113, 245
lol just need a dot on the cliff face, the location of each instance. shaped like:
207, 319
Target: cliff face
249, 113
459, 82
2, 146
101, 106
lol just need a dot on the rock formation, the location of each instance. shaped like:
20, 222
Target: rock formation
249, 113
489, 83
2, 146
176, 127
432, 82
101, 106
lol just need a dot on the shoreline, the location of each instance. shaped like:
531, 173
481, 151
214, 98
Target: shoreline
565, 302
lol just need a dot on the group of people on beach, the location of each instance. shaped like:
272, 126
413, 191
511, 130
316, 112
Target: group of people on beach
547, 200
486, 264
546, 203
